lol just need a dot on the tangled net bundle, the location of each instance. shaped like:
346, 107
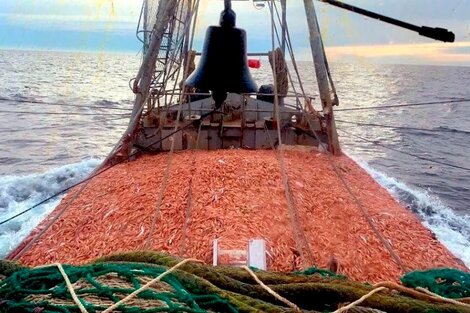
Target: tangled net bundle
191, 288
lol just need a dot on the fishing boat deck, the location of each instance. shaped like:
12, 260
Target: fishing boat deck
235, 196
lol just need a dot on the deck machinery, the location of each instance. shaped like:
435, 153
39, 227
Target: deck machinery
219, 105
172, 112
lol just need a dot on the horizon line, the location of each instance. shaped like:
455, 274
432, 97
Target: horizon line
331, 56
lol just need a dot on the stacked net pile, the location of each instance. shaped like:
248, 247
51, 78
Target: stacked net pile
447, 282
98, 287
192, 288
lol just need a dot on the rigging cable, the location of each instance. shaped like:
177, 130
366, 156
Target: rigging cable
189, 196
85, 181
97, 171
166, 174
296, 69
358, 203
403, 152
5, 130
437, 130
404, 105
360, 206
297, 229
63, 104
64, 113
101, 171
292, 58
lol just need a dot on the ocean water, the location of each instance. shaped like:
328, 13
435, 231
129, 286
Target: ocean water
62, 112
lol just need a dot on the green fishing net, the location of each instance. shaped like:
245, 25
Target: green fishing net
321, 272
446, 282
99, 286
192, 288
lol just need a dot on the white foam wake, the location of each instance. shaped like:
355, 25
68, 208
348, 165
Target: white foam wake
451, 229
18, 193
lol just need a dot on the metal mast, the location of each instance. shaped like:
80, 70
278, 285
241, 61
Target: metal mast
319, 59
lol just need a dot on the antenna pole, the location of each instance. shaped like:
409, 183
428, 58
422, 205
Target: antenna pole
319, 60
284, 25
436, 33
146, 31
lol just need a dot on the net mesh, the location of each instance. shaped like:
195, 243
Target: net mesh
199, 288
151, 18
446, 282
98, 287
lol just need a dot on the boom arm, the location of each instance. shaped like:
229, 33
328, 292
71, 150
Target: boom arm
435, 33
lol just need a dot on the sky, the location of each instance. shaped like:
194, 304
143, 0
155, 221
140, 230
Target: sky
110, 25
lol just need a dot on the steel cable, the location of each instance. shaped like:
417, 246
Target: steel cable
63, 104
442, 130
404, 152
300, 238
101, 171
403, 105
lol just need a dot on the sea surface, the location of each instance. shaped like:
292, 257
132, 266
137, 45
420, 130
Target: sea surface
62, 112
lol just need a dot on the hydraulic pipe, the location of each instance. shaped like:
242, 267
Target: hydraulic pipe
435, 33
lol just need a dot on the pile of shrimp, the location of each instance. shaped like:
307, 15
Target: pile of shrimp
235, 196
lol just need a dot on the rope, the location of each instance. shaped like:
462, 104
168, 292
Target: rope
406, 153
443, 130
294, 63
63, 104
46, 200
102, 171
63, 113
421, 293
358, 203
299, 234
270, 291
189, 197
97, 174
327, 67
48, 225
436, 296
166, 175
279, 66
126, 299
148, 285
69, 285
360, 300
404, 105
356, 200
369, 220
5, 130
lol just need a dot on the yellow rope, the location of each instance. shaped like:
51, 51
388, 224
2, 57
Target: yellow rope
442, 298
360, 300
69, 285
147, 285
421, 293
272, 292
129, 297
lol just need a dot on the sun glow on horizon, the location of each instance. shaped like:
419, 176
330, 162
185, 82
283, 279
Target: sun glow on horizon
421, 53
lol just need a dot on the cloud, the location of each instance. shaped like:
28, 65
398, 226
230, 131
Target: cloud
347, 36
69, 22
